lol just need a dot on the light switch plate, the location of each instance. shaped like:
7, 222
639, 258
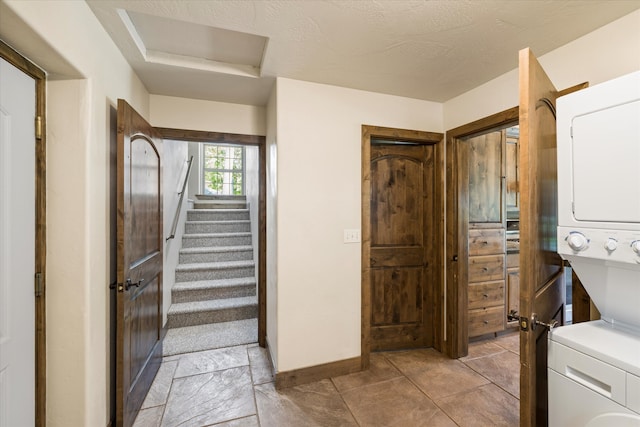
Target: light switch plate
352, 236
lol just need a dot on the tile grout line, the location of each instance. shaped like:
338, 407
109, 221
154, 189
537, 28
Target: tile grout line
421, 391
345, 402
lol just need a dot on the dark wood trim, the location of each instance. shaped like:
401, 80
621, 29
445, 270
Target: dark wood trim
420, 137
212, 137
316, 373
580, 301
457, 338
26, 66
253, 140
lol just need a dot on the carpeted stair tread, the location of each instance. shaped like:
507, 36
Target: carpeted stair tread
209, 336
232, 234
199, 266
211, 284
215, 249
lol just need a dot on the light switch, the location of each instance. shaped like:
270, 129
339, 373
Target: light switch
352, 236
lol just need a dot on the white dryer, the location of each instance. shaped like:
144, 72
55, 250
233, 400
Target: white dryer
594, 367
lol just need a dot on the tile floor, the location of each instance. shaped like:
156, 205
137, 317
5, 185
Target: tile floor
234, 387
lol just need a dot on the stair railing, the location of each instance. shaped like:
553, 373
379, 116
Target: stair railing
176, 218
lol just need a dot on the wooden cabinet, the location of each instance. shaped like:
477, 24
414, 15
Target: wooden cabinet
513, 285
486, 171
486, 291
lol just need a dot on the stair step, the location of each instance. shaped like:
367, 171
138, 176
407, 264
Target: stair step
213, 289
217, 214
209, 336
200, 240
212, 311
221, 197
230, 226
214, 270
219, 204
215, 254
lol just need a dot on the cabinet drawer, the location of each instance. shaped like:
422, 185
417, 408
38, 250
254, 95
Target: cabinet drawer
486, 242
513, 260
486, 268
486, 320
487, 294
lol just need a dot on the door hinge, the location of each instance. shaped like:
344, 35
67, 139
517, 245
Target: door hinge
38, 127
38, 284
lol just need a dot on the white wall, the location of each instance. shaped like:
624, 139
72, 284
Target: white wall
79, 230
252, 191
319, 174
608, 52
272, 215
194, 114
174, 169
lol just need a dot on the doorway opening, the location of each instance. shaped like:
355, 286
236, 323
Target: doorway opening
224, 245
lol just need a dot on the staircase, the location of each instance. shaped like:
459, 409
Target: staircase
215, 286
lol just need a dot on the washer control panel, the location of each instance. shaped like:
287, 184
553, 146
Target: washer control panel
614, 245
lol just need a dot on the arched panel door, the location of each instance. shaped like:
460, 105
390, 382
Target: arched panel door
139, 263
402, 250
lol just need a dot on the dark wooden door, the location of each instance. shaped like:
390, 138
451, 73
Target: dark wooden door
139, 263
402, 245
541, 268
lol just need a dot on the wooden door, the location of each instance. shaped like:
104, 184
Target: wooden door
402, 245
541, 268
139, 263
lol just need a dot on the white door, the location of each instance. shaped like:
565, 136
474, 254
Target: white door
17, 247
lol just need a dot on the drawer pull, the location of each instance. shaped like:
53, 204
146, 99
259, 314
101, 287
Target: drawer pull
485, 295
485, 269
486, 322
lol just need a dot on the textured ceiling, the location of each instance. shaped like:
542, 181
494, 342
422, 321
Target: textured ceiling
431, 50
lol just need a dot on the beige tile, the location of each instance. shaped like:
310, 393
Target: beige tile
251, 421
210, 398
150, 417
446, 378
481, 349
261, 369
315, 404
488, 405
211, 360
159, 390
380, 369
503, 369
414, 360
395, 402
510, 342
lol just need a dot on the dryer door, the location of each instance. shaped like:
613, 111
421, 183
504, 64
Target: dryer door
613, 419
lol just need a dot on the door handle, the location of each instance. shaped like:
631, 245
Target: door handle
130, 284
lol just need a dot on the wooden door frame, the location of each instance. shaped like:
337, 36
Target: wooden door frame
260, 142
27, 67
457, 228
418, 137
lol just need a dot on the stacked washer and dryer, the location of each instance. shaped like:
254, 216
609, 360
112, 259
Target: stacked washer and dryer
594, 367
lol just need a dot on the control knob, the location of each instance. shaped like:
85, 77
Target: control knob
635, 245
611, 244
577, 241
